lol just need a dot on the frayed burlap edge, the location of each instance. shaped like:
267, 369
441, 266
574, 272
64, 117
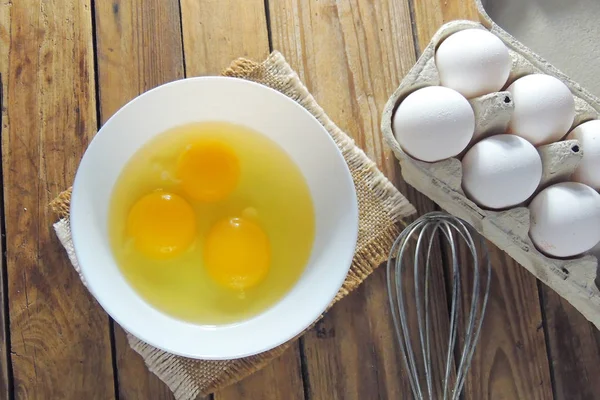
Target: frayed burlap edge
189, 378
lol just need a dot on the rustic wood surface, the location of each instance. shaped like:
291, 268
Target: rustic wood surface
68, 65
59, 338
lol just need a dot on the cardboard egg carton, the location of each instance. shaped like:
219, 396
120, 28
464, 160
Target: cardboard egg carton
573, 279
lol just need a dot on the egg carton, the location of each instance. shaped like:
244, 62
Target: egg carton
573, 279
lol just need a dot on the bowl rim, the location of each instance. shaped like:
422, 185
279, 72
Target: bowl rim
301, 327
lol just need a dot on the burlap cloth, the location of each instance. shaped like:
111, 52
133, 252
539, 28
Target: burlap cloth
381, 208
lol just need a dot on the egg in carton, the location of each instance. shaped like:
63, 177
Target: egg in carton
575, 278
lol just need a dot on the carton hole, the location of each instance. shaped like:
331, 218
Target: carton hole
575, 149
506, 99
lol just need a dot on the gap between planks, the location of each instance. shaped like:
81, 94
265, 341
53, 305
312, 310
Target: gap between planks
6, 378
111, 323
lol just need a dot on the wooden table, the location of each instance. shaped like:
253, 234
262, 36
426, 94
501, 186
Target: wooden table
68, 65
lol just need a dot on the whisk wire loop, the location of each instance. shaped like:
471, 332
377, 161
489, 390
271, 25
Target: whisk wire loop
426, 232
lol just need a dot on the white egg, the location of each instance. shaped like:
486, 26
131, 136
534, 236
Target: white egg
501, 171
565, 219
434, 123
473, 62
588, 135
544, 108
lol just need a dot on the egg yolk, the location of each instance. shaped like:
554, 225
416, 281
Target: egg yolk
208, 171
161, 224
237, 253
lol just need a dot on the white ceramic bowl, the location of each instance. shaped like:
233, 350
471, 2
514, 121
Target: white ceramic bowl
266, 111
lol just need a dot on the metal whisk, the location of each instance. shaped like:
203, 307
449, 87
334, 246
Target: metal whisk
410, 301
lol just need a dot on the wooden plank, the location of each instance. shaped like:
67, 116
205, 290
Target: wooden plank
429, 15
135, 381
352, 56
510, 360
214, 34
5, 362
139, 46
281, 379
59, 335
574, 349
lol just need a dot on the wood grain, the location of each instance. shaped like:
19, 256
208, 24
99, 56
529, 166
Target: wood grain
281, 379
510, 361
5, 361
215, 32
135, 380
430, 15
139, 46
574, 349
352, 56
59, 335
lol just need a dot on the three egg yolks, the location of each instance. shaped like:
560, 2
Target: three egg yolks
236, 250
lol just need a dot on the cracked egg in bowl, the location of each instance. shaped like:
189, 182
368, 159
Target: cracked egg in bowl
214, 218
